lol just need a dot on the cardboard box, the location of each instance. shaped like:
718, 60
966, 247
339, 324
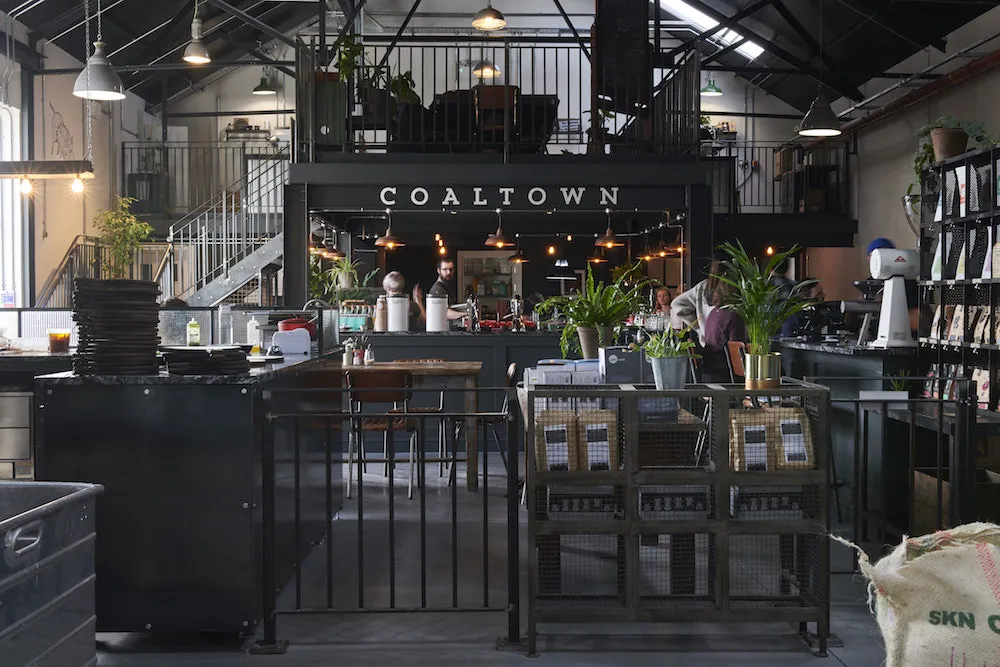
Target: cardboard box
597, 435
924, 518
555, 375
752, 445
556, 443
793, 440
586, 377
620, 365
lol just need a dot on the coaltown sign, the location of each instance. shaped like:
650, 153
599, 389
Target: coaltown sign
487, 197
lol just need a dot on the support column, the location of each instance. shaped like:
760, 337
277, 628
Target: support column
28, 153
700, 233
296, 246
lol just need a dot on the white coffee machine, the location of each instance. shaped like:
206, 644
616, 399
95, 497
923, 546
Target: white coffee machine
894, 267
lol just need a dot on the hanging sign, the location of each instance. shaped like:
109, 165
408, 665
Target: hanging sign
519, 197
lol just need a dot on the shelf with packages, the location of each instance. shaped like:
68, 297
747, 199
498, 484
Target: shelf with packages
959, 283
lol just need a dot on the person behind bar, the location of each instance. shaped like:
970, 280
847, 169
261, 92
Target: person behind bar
393, 284
441, 287
662, 306
692, 307
721, 326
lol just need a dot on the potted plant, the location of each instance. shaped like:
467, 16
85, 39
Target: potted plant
945, 138
322, 284
594, 311
668, 352
345, 272
764, 306
122, 234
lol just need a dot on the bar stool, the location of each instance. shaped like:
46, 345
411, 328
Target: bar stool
381, 386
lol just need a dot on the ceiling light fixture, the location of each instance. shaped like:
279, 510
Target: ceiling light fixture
820, 121
389, 241
76, 186
597, 257
608, 240
25, 187
485, 69
561, 271
98, 80
497, 239
489, 19
711, 90
196, 52
264, 87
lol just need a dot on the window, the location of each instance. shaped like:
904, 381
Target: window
12, 286
703, 22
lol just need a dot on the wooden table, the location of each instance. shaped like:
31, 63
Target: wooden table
468, 373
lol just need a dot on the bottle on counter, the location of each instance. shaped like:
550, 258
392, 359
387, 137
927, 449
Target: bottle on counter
369, 356
381, 314
193, 332
253, 335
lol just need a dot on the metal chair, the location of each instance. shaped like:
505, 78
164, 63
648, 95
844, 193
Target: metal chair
495, 422
381, 386
442, 456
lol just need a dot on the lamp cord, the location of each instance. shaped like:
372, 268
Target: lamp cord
100, 35
88, 154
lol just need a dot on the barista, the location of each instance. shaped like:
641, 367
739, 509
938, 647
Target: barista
441, 287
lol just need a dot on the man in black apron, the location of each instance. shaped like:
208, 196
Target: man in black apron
441, 287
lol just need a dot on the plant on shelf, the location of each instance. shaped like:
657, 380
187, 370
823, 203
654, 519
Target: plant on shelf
763, 304
322, 284
345, 272
594, 311
668, 352
122, 234
376, 84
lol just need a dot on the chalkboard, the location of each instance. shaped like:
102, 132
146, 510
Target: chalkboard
622, 53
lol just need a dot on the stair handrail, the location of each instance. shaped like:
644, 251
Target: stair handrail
49, 287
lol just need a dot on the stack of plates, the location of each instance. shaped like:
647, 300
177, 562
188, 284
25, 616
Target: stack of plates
117, 322
206, 361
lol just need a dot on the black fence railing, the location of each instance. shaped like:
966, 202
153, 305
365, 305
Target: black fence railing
361, 506
752, 177
494, 96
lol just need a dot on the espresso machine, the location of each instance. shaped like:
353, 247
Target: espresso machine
516, 312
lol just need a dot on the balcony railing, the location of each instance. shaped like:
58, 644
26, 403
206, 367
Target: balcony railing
750, 177
495, 96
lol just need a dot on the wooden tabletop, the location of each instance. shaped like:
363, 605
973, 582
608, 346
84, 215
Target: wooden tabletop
424, 368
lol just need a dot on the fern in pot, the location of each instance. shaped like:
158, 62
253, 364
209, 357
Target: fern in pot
668, 352
593, 312
764, 306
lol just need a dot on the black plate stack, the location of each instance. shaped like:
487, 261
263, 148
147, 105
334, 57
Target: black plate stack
117, 321
204, 361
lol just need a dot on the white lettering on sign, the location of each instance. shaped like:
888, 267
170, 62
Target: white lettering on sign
478, 200
572, 195
609, 196
384, 196
537, 196
506, 193
419, 196
450, 198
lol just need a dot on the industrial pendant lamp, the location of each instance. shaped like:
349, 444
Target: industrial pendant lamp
561, 271
608, 240
518, 257
497, 239
711, 90
264, 87
98, 80
485, 69
389, 241
489, 19
597, 257
195, 52
820, 121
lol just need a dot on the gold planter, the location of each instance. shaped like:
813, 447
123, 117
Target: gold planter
763, 371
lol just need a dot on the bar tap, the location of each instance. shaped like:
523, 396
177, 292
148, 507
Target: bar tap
516, 312
472, 312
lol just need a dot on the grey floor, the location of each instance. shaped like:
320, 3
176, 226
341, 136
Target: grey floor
470, 638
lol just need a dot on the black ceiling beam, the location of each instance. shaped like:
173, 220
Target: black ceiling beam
27, 57
723, 51
175, 31
253, 22
170, 67
801, 31
399, 33
59, 23
723, 23
751, 70
835, 83
263, 57
583, 43
908, 32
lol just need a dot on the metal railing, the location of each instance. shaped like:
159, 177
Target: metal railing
175, 178
211, 241
753, 177
495, 96
86, 258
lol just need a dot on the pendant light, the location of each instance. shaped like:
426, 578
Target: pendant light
195, 52
489, 19
389, 241
561, 271
264, 87
608, 240
597, 257
497, 239
711, 90
485, 69
518, 257
820, 121
98, 80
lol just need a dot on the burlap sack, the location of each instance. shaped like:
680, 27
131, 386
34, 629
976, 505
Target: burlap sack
937, 598
597, 438
556, 442
759, 454
793, 440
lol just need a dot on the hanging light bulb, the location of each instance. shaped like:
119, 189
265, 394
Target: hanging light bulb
195, 52
608, 240
551, 250
597, 257
769, 250
388, 240
25, 186
77, 186
442, 250
485, 69
569, 238
497, 239
264, 87
489, 19
711, 90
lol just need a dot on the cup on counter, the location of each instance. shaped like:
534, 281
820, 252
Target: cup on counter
58, 341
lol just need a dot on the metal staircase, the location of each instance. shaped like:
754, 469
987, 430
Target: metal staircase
227, 243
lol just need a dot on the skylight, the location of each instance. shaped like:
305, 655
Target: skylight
703, 22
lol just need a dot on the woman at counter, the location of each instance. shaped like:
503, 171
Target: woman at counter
662, 306
693, 306
721, 327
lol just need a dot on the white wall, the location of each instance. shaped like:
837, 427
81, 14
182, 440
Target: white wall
61, 133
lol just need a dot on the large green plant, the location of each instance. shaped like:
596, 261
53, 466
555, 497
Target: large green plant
322, 283
122, 235
925, 148
598, 304
763, 304
669, 343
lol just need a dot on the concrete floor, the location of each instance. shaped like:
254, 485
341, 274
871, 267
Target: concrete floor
470, 638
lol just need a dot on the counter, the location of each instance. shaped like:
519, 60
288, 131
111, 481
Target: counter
180, 457
18, 369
